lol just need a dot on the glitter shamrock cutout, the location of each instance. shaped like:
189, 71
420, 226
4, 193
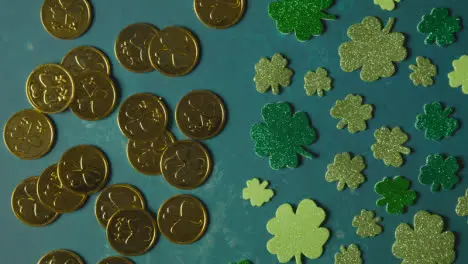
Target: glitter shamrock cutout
423, 72
317, 82
459, 76
373, 49
282, 136
257, 192
346, 171
439, 172
304, 17
426, 243
352, 113
440, 27
297, 234
395, 194
350, 255
367, 224
389, 146
436, 121
462, 205
272, 74
388, 5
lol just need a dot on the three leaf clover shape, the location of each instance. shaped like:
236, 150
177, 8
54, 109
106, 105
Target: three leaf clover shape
317, 82
272, 74
423, 72
352, 113
440, 27
346, 171
395, 194
462, 205
439, 172
350, 255
367, 224
436, 121
389, 146
459, 76
257, 192
388, 5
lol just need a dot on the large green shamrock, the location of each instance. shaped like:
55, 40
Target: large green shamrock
426, 243
440, 26
304, 17
351, 255
389, 146
373, 49
283, 135
439, 172
459, 76
346, 171
352, 113
395, 194
437, 121
274, 74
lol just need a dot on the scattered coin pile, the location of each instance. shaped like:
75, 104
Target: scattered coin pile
69, 257
219, 14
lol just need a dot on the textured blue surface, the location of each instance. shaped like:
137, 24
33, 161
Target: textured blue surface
236, 230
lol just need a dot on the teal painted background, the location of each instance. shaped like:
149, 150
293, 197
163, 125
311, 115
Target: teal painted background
236, 229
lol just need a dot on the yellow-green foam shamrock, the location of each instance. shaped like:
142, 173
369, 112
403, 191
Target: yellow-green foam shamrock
257, 192
423, 72
346, 171
350, 255
462, 205
367, 224
317, 82
272, 74
389, 146
459, 76
352, 113
388, 5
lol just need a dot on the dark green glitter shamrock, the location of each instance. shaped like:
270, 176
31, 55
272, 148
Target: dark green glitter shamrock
440, 26
395, 194
300, 16
283, 135
437, 121
439, 172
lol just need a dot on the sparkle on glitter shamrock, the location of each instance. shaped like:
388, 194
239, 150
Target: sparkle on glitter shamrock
367, 224
350, 255
272, 74
388, 5
423, 72
346, 171
389, 146
257, 192
459, 76
436, 121
440, 27
439, 171
352, 113
395, 194
317, 82
462, 205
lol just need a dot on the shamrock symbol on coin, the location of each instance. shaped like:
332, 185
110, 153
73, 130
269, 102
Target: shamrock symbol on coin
92, 91
51, 88
174, 50
181, 216
185, 164
135, 46
206, 111
125, 231
27, 135
65, 14
219, 8
152, 150
83, 175
141, 116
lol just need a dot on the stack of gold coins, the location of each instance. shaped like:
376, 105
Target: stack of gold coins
219, 14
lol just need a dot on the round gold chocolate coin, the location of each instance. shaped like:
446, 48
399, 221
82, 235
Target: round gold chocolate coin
117, 197
131, 47
142, 116
27, 207
84, 59
29, 134
115, 260
95, 96
182, 219
131, 232
219, 13
50, 88
200, 114
54, 196
83, 169
66, 19
186, 164
145, 156
174, 51
61, 256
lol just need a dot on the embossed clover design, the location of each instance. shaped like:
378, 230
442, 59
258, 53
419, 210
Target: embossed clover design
140, 115
218, 8
185, 164
83, 174
92, 92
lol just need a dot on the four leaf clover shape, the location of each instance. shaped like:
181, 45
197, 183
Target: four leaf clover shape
272, 74
459, 76
317, 82
257, 192
423, 72
437, 121
352, 113
389, 146
367, 224
439, 172
346, 171
395, 194
440, 27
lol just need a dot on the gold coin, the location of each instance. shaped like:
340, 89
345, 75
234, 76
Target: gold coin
131, 232
83, 169
61, 256
219, 13
85, 59
27, 207
174, 51
142, 116
115, 260
66, 19
145, 156
186, 164
95, 96
200, 114
29, 134
131, 47
54, 196
182, 219
50, 88
117, 197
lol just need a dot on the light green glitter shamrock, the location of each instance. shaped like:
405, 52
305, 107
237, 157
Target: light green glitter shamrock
462, 205
426, 243
257, 192
439, 172
388, 5
389, 146
317, 82
299, 233
272, 74
352, 113
346, 171
437, 121
423, 72
352, 255
459, 76
367, 224
396, 194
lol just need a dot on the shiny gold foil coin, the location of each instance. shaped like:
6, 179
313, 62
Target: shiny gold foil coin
142, 116
200, 114
131, 232
66, 19
186, 164
115, 260
182, 219
61, 256
27, 207
84, 59
29, 134
50, 88
54, 196
95, 96
131, 47
145, 156
117, 197
174, 51
219, 13
83, 169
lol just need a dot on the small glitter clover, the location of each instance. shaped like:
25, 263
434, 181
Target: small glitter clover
257, 192
436, 121
352, 113
423, 72
317, 82
351, 255
388, 5
439, 172
440, 26
304, 17
395, 194
426, 243
283, 135
462, 205
272, 74
346, 171
459, 76
372, 49
389, 146
367, 224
